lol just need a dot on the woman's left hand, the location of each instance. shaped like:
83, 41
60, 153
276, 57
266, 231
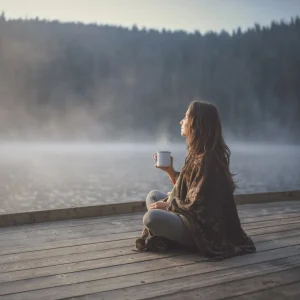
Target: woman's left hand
159, 205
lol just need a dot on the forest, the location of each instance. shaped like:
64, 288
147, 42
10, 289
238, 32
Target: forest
75, 81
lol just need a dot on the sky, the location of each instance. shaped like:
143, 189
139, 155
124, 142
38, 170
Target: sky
188, 15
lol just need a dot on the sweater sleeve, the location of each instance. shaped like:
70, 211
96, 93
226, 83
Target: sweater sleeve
202, 191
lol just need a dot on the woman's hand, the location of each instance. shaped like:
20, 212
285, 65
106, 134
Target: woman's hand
159, 205
169, 170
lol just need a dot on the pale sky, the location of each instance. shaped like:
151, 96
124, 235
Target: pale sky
189, 15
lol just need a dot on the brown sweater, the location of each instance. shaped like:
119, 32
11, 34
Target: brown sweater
203, 197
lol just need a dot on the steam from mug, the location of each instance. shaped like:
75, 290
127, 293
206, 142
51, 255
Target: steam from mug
163, 158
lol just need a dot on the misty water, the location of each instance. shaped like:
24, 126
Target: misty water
38, 177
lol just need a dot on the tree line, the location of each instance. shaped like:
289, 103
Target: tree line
98, 82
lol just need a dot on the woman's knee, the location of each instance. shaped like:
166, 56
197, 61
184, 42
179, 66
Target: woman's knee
152, 218
148, 218
152, 195
169, 226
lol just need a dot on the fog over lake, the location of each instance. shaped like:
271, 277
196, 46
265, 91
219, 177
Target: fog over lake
104, 83
47, 176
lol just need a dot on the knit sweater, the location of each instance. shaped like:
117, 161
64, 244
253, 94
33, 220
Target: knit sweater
203, 197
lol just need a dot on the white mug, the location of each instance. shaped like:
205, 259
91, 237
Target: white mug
163, 158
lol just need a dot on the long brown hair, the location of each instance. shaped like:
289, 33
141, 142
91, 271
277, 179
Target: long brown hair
205, 135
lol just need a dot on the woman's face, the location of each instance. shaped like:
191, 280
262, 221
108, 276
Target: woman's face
184, 125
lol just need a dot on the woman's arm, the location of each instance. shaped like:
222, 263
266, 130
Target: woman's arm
173, 175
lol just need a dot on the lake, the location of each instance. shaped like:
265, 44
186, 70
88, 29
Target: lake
35, 177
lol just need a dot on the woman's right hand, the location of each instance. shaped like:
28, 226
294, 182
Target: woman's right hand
169, 170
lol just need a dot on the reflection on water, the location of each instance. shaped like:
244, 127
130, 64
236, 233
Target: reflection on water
42, 177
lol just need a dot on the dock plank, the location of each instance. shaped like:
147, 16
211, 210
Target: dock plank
100, 228
65, 233
72, 263
94, 245
84, 248
96, 273
93, 259
161, 282
265, 283
118, 261
41, 229
72, 236
114, 230
40, 246
114, 244
70, 223
285, 290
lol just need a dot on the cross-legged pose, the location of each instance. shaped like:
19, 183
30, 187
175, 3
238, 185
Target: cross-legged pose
200, 211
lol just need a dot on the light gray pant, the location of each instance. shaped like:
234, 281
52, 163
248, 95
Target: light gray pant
164, 223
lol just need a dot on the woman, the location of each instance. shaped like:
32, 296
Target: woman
200, 211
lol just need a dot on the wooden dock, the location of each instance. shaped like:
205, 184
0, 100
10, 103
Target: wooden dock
93, 259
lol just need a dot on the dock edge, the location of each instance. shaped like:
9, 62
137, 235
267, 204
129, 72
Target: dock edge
39, 216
